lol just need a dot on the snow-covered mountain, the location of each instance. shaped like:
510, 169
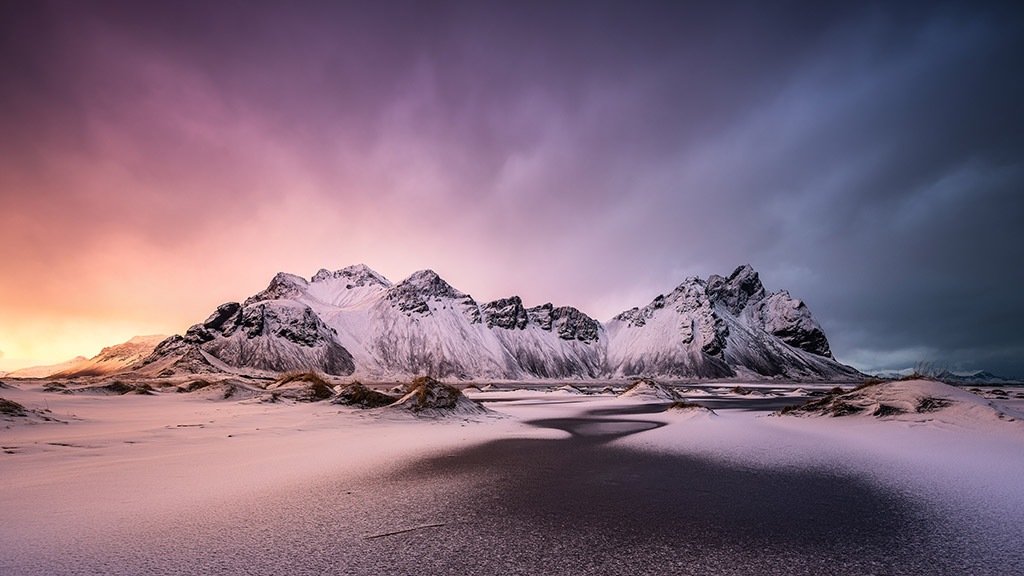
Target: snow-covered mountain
722, 327
973, 378
355, 321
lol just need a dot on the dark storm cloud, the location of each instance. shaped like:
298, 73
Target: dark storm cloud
867, 157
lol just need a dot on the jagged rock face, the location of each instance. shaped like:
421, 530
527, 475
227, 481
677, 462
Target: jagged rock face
283, 286
271, 335
176, 356
225, 319
355, 319
677, 335
507, 313
708, 324
698, 320
791, 321
355, 276
414, 294
778, 314
733, 293
297, 324
739, 330
279, 337
566, 321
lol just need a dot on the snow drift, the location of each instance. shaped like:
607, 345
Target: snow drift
909, 401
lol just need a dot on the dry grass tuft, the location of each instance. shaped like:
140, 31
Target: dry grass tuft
926, 371
11, 408
319, 388
355, 394
640, 382
681, 405
431, 393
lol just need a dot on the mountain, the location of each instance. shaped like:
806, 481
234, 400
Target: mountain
979, 378
47, 370
975, 378
721, 328
114, 358
354, 321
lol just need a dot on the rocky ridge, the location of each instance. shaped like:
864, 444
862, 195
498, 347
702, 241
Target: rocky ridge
355, 321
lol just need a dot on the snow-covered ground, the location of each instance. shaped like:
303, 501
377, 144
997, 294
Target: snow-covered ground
181, 484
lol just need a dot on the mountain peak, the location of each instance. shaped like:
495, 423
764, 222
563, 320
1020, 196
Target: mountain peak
354, 319
281, 287
429, 283
413, 295
733, 293
355, 275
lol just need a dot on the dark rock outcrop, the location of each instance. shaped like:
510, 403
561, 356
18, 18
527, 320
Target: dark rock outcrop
733, 293
282, 286
791, 321
413, 295
507, 313
566, 321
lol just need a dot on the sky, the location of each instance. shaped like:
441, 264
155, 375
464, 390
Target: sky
160, 158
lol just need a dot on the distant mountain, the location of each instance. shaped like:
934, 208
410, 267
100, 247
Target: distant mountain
975, 378
354, 321
47, 370
114, 358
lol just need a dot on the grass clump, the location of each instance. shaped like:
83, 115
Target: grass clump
884, 410
122, 388
319, 389
926, 371
928, 404
641, 382
683, 405
831, 404
430, 394
11, 408
195, 385
740, 390
356, 394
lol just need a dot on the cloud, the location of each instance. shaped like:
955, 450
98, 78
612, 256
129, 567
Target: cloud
865, 158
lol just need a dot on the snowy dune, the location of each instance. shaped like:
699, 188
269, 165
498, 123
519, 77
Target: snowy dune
178, 483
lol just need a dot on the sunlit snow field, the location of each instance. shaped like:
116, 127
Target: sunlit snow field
553, 482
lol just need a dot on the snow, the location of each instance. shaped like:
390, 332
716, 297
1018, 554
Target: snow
138, 475
650, 391
422, 325
920, 402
